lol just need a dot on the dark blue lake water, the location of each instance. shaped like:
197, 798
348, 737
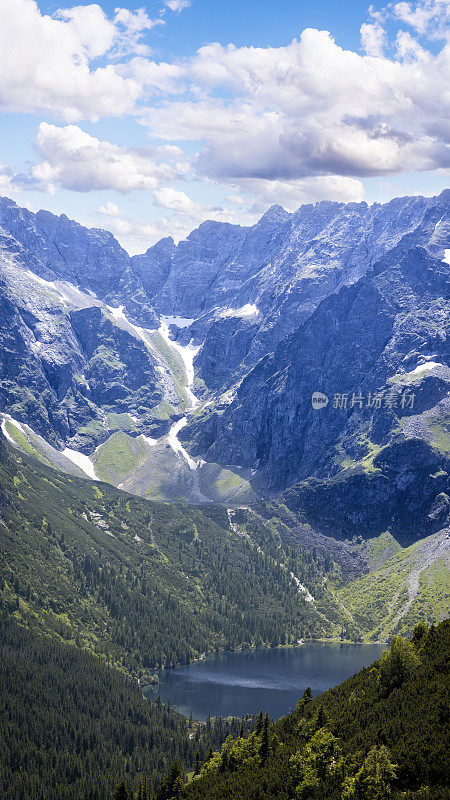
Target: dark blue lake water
271, 679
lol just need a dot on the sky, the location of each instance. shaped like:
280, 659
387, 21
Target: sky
148, 118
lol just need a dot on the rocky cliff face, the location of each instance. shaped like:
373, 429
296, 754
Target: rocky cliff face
59, 248
343, 299
66, 360
281, 268
385, 337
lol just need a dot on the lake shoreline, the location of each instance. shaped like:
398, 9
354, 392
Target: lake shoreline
273, 678
211, 654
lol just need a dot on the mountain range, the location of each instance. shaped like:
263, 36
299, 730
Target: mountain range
298, 367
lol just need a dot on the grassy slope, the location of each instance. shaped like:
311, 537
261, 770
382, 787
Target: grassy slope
412, 585
119, 456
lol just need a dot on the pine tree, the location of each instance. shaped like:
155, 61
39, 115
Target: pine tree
197, 763
121, 792
224, 760
264, 746
259, 723
321, 717
306, 698
172, 785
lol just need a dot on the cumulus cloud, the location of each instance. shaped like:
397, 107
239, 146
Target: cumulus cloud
311, 108
407, 47
7, 185
45, 61
110, 210
156, 78
283, 124
174, 200
75, 160
130, 27
373, 38
136, 235
90, 26
292, 194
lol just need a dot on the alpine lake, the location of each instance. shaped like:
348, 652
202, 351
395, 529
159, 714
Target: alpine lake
272, 679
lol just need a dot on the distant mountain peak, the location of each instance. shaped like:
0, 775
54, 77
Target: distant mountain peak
275, 213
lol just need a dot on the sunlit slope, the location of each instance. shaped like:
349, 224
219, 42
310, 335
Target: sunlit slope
381, 734
411, 586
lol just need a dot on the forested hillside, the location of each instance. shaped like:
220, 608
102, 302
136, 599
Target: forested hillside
143, 584
384, 733
72, 727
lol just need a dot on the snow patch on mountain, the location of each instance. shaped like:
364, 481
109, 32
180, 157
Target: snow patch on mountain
141, 333
180, 322
248, 310
67, 294
428, 365
82, 461
117, 313
187, 353
176, 445
6, 434
149, 440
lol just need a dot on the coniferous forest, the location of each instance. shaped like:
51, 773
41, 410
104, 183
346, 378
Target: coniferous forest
143, 584
71, 727
74, 728
384, 733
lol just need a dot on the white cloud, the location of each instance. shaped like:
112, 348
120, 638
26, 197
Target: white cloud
373, 38
235, 199
292, 194
110, 210
7, 186
134, 22
409, 48
177, 5
136, 235
428, 16
183, 215
174, 200
45, 62
134, 25
90, 26
310, 109
273, 124
156, 78
75, 160
417, 19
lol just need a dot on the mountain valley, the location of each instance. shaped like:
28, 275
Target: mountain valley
171, 488
186, 375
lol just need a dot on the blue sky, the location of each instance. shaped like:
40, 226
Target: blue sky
147, 118
245, 22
